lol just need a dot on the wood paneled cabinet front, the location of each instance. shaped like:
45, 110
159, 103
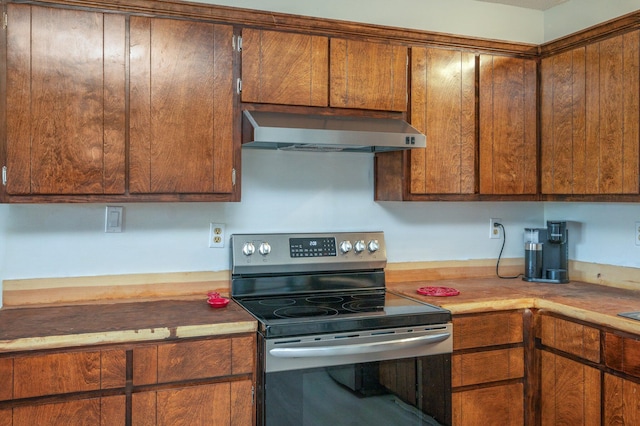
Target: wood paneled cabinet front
508, 148
443, 107
181, 107
570, 382
590, 115
201, 381
299, 69
71, 92
65, 101
479, 115
487, 369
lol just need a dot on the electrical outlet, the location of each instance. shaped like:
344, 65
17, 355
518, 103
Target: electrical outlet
495, 232
637, 233
216, 235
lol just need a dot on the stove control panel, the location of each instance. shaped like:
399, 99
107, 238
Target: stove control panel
283, 253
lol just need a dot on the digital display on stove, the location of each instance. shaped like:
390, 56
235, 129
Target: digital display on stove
312, 247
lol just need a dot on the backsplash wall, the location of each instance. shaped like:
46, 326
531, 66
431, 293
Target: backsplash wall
281, 192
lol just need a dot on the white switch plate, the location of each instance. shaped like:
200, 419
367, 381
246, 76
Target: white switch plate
637, 233
216, 235
113, 219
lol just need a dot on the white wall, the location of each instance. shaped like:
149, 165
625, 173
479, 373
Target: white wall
575, 15
600, 233
462, 17
282, 192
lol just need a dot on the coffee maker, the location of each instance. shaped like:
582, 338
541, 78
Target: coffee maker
546, 253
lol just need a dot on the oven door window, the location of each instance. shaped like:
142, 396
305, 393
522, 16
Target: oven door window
407, 392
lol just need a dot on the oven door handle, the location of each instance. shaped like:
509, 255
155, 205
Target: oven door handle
362, 348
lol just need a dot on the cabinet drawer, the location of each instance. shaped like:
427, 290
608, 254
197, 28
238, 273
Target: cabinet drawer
483, 330
498, 405
570, 337
190, 360
622, 353
68, 372
488, 366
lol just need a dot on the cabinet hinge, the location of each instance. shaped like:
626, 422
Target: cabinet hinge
4, 175
5, 20
253, 395
239, 86
233, 177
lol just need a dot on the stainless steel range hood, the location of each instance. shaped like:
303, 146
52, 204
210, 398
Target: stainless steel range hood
297, 132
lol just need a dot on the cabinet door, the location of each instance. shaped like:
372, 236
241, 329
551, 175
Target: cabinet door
285, 68
181, 107
90, 412
621, 401
590, 118
65, 101
443, 108
367, 75
227, 403
508, 138
570, 392
498, 405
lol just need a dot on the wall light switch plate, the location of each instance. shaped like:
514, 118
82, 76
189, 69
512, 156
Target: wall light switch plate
636, 234
113, 219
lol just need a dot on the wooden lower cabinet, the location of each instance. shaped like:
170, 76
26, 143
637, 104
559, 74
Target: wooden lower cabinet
570, 392
621, 401
227, 403
496, 405
90, 412
488, 369
208, 381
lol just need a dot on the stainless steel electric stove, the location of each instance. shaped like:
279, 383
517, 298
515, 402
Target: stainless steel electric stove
330, 332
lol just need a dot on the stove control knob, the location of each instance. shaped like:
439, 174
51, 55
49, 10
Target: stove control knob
373, 246
248, 249
345, 246
264, 249
359, 246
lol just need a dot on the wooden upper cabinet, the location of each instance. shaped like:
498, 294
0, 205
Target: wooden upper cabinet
590, 118
367, 75
443, 108
65, 101
285, 68
181, 106
507, 117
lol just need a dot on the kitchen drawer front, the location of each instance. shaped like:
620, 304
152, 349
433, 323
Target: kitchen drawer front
192, 360
622, 353
491, 329
498, 405
487, 366
61, 373
570, 337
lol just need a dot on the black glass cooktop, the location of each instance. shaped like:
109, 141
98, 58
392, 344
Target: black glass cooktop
304, 314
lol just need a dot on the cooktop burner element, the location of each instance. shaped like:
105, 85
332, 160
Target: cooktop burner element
302, 284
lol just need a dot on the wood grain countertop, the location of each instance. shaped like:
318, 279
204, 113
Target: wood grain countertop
79, 325
594, 303
50, 327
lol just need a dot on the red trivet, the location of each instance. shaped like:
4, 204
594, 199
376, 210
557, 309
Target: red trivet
438, 291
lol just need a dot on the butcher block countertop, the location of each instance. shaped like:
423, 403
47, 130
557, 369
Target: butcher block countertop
49, 327
597, 304
79, 325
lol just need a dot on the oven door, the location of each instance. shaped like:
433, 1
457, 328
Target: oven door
401, 377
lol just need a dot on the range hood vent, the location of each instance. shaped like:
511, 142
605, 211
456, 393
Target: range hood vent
322, 133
